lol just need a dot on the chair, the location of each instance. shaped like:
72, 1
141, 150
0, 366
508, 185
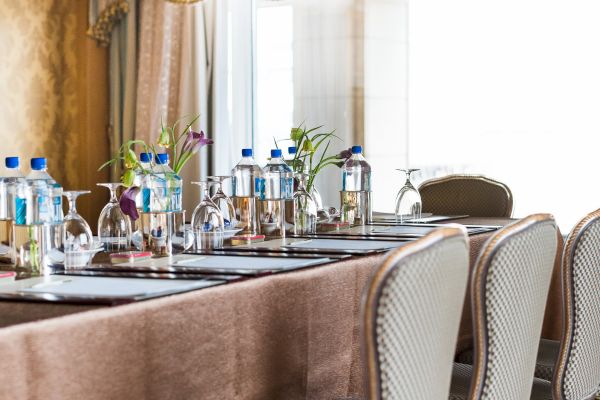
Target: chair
573, 364
410, 313
473, 195
509, 287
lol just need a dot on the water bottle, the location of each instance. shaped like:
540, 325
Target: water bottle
246, 180
356, 189
278, 179
246, 176
356, 172
46, 195
142, 199
10, 179
166, 186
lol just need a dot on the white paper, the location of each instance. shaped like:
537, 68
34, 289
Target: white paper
341, 244
82, 286
249, 263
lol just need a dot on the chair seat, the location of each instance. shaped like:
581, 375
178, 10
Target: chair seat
461, 384
546, 358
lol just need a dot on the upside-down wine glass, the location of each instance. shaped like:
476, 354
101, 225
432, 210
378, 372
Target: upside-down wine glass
408, 200
114, 227
224, 202
78, 241
207, 221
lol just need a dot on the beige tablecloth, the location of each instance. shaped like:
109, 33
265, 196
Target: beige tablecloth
287, 336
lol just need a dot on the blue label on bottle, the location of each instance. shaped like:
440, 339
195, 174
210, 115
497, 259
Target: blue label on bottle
43, 209
259, 187
57, 201
20, 211
146, 200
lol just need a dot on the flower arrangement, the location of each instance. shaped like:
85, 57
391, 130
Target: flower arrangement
308, 159
182, 146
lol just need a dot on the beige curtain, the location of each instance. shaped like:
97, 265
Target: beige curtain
173, 71
113, 24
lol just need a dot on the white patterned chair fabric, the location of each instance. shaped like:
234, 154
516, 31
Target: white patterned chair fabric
509, 288
577, 371
411, 313
473, 195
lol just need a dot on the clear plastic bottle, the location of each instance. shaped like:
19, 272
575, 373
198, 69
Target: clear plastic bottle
356, 172
278, 179
246, 176
45, 205
142, 200
10, 179
166, 186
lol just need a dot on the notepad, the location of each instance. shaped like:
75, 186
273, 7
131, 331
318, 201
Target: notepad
341, 244
248, 264
80, 286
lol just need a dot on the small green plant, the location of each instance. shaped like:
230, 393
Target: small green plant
312, 152
182, 146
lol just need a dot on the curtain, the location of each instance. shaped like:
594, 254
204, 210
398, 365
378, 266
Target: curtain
173, 74
328, 76
114, 24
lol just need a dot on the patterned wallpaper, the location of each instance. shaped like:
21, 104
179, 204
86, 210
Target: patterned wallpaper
38, 102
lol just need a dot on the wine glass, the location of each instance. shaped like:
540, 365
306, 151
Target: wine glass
408, 200
305, 208
224, 202
114, 227
78, 241
207, 221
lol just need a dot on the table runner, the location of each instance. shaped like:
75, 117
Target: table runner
286, 336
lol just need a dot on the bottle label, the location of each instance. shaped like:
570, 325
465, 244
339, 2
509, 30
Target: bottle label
259, 187
20, 211
146, 199
287, 188
42, 205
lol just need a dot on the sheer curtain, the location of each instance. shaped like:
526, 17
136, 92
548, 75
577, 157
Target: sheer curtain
328, 76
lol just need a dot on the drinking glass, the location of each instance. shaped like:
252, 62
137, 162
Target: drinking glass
207, 221
114, 227
305, 208
408, 200
78, 241
224, 202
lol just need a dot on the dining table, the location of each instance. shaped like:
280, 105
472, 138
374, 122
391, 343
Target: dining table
291, 335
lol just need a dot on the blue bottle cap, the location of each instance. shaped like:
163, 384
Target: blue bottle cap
356, 149
38, 163
276, 153
246, 152
145, 157
11, 162
291, 150
162, 158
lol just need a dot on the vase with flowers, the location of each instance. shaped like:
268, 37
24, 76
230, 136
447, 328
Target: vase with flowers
158, 185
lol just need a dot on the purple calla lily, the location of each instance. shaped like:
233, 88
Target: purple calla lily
345, 154
127, 202
194, 141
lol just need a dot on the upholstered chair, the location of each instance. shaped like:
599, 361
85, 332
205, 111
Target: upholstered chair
573, 364
473, 195
411, 313
509, 287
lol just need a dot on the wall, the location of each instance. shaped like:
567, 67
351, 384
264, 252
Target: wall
53, 86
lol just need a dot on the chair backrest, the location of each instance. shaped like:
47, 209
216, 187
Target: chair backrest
509, 288
474, 195
411, 312
577, 371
